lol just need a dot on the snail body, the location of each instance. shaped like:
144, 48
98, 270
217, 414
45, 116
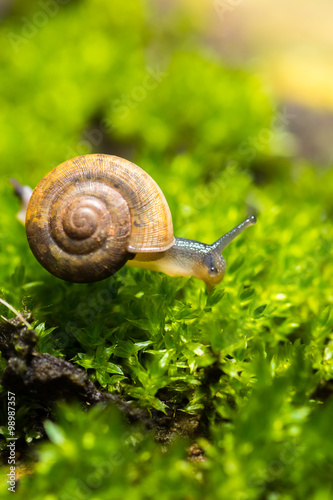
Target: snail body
93, 214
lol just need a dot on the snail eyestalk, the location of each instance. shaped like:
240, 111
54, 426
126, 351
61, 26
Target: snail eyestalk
193, 258
223, 242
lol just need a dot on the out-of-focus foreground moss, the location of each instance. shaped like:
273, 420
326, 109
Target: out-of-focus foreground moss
253, 359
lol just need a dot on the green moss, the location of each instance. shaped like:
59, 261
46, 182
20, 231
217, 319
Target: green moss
253, 359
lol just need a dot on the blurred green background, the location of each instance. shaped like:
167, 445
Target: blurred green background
228, 106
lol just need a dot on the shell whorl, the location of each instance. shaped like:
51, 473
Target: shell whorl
90, 214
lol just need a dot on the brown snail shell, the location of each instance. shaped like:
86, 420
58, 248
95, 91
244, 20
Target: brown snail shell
91, 214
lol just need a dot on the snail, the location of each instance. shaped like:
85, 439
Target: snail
92, 214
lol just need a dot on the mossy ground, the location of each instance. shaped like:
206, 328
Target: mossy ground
251, 364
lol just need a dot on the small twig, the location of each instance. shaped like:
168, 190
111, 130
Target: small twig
18, 314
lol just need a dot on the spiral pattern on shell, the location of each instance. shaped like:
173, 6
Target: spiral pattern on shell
89, 215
